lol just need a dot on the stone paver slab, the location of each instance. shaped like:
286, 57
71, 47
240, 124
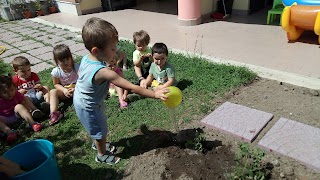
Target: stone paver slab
296, 140
66, 42
9, 52
31, 46
33, 60
40, 67
81, 53
238, 120
29, 32
77, 47
42, 50
45, 57
23, 43
16, 39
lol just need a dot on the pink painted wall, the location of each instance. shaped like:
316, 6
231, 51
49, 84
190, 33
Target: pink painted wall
189, 9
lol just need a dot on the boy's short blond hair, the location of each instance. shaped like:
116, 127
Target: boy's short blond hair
20, 61
98, 33
141, 36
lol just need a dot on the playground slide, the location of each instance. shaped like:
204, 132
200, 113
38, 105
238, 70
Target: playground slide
299, 17
302, 2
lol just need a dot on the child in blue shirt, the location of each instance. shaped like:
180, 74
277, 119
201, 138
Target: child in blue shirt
100, 38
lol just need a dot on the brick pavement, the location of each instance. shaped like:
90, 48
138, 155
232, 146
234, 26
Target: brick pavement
36, 41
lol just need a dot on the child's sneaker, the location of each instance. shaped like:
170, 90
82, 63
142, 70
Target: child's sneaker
12, 137
36, 127
45, 106
107, 158
55, 117
37, 114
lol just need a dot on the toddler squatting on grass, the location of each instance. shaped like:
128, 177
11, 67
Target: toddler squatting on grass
161, 73
100, 38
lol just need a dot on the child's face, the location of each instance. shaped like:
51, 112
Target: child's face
159, 59
112, 63
23, 71
8, 93
141, 46
65, 64
108, 54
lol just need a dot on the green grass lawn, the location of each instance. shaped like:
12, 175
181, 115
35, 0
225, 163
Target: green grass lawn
200, 82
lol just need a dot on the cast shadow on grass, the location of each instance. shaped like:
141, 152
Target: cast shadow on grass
153, 139
79, 171
183, 84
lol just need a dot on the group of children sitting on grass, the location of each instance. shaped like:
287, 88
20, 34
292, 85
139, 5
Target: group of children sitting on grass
89, 83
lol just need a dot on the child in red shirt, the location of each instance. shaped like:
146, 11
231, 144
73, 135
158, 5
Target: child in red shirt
28, 83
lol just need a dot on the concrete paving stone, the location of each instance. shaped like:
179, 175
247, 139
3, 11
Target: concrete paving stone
10, 52
3, 30
11, 26
38, 34
238, 120
48, 28
33, 60
22, 30
81, 52
31, 46
77, 47
294, 139
19, 29
42, 50
46, 56
41, 66
51, 30
31, 31
48, 37
51, 41
6, 45
61, 32
23, 43
4, 24
13, 40
24, 22
69, 35
66, 42
8, 36
37, 26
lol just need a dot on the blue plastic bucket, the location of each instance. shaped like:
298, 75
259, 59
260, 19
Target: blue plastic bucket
37, 157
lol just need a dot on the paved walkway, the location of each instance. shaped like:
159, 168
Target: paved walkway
36, 41
264, 49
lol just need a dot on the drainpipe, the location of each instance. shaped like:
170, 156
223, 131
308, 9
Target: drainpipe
189, 12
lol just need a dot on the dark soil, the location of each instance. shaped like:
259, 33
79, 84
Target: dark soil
164, 155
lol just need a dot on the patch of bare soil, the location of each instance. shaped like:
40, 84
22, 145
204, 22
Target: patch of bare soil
170, 159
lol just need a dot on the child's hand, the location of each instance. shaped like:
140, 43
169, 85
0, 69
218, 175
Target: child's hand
160, 94
23, 91
143, 83
38, 87
157, 87
68, 93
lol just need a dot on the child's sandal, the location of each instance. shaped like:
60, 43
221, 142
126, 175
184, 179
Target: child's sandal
108, 159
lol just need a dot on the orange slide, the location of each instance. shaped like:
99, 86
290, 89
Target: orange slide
298, 18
